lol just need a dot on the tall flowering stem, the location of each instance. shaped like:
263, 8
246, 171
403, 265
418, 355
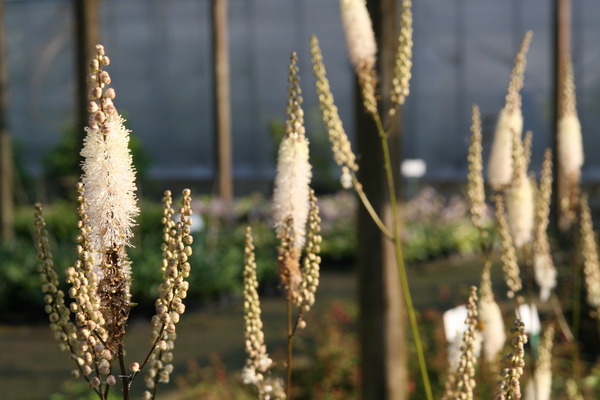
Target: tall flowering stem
297, 223
362, 50
93, 325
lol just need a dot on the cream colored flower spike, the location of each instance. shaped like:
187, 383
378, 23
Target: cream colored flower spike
500, 164
108, 173
510, 120
570, 145
292, 191
360, 38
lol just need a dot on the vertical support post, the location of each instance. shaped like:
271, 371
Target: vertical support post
222, 100
87, 36
562, 50
383, 319
6, 159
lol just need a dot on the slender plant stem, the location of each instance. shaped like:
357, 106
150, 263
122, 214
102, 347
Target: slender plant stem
290, 337
369, 207
400, 259
125, 378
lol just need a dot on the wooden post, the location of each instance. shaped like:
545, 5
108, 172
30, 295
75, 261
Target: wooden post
562, 50
222, 100
6, 160
87, 36
383, 319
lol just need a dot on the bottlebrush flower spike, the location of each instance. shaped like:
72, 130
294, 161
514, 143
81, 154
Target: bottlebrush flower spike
292, 190
108, 173
510, 121
490, 317
109, 200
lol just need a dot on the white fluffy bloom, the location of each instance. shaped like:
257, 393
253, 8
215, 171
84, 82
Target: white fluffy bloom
360, 38
545, 273
570, 146
292, 190
109, 186
540, 386
492, 330
500, 169
520, 211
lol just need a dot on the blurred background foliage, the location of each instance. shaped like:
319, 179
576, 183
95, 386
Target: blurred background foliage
435, 227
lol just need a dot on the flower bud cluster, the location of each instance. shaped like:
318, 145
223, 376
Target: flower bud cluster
591, 264
475, 189
509, 386
461, 382
543, 265
312, 259
86, 305
510, 265
340, 145
177, 249
520, 202
54, 298
403, 64
288, 261
258, 361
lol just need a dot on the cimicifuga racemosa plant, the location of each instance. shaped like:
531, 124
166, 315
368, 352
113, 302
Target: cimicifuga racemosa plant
362, 50
510, 122
543, 264
93, 325
519, 197
510, 264
589, 248
569, 147
539, 386
297, 224
460, 382
490, 318
509, 384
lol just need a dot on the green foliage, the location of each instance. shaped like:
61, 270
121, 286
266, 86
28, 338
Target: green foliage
78, 390
213, 382
332, 372
433, 229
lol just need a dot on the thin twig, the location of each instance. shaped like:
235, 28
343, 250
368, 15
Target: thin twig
369, 207
126, 379
290, 336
